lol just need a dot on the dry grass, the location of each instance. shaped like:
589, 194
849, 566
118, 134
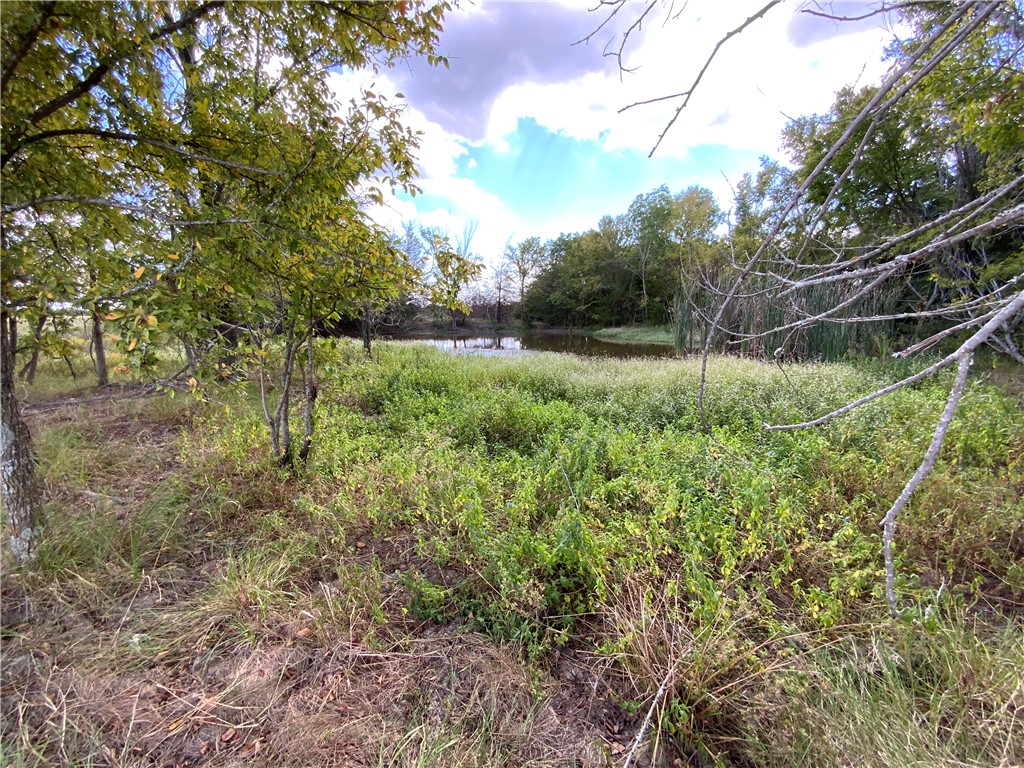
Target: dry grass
196, 606
174, 619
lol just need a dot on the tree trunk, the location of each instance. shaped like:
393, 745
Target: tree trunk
28, 373
367, 332
17, 468
99, 353
14, 332
311, 392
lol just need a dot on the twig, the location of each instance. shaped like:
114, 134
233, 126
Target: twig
685, 95
642, 733
931, 456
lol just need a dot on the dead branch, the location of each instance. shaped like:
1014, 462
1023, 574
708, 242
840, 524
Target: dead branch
685, 95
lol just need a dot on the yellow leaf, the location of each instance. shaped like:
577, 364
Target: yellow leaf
172, 256
192, 383
151, 320
139, 271
132, 344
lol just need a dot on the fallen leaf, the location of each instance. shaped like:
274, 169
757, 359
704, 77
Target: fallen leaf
304, 632
228, 735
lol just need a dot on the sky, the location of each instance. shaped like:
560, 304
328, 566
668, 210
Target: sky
524, 135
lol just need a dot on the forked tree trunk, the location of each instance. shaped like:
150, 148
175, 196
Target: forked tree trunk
17, 468
28, 373
99, 354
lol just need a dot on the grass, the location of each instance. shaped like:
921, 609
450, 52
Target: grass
638, 334
496, 561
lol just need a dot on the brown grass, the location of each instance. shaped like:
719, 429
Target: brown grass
203, 649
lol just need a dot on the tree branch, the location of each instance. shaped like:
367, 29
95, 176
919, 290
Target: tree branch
700, 75
997, 320
9, 66
888, 522
133, 138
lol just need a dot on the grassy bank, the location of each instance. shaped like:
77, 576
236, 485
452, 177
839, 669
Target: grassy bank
493, 561
637, 334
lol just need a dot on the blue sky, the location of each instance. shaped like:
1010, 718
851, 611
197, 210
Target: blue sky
523, 133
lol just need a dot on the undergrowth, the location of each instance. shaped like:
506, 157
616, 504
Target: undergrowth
567, 536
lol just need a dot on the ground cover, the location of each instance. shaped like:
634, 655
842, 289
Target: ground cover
638, 334
495, 561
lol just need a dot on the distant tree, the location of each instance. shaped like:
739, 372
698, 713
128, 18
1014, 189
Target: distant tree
502, 283
647, 228
526, 257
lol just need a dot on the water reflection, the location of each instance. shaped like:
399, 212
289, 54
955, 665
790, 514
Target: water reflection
548, 342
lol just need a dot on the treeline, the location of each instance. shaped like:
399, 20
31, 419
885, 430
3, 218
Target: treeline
951, 151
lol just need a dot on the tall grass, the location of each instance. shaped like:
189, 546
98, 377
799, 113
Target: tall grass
747, 327
476, 543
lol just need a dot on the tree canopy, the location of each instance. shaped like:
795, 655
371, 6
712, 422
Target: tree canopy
189, 169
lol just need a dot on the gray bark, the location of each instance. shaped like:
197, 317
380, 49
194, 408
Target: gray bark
17, 466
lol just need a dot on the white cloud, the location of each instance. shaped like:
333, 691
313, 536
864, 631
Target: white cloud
438, 162
757, 79
782, 65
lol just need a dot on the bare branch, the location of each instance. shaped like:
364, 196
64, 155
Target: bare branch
931, 456
997, 320
700, 75
944, 240
866, 112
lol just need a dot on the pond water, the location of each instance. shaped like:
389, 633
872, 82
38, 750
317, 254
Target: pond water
548, 342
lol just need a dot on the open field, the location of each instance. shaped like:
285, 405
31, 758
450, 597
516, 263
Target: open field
492, 561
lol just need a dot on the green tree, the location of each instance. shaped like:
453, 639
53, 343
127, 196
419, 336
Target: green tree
526, 258
454, 268
699, 260
647, 228
193, 164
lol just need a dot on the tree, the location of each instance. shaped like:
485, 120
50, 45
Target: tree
695, 217
647, 227
454, 268
192, 163
526, 258
963, 64
502, 284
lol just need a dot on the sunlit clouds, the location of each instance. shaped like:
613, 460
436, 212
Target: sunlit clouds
524, 131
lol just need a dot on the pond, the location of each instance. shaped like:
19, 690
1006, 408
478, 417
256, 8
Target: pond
547, 342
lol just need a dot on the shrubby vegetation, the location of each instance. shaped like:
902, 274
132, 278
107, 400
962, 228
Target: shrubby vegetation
569, 511
495, 561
